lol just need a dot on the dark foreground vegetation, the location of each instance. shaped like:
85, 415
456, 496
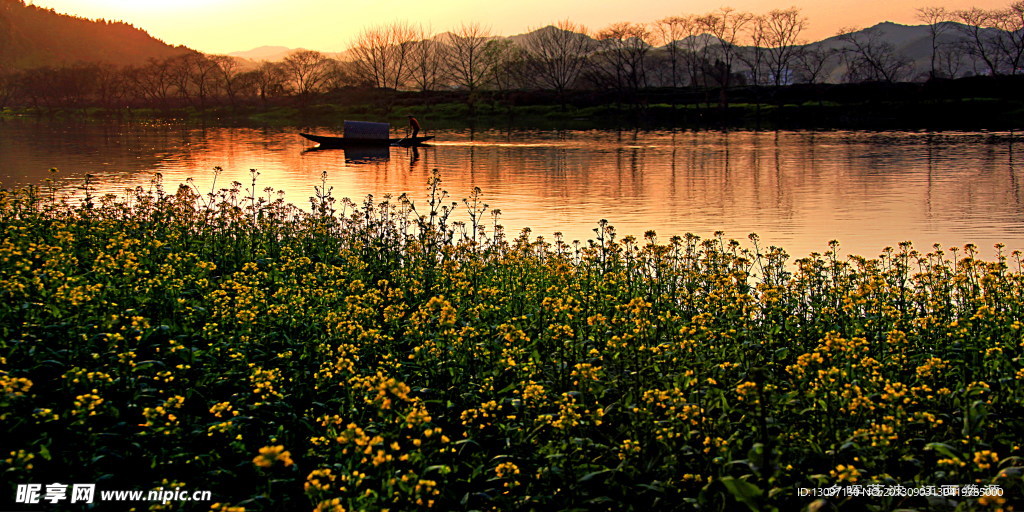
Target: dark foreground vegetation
383, 355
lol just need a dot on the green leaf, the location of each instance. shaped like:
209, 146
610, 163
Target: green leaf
944, 449
44, 452
592, 475
744, 491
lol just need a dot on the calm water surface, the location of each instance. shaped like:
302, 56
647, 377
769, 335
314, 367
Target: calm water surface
797, 190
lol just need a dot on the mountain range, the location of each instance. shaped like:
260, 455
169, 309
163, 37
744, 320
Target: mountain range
912, 43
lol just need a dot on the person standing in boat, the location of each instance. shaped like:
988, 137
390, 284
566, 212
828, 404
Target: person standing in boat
414, 125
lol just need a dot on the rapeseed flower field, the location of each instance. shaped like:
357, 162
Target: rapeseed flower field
384, 356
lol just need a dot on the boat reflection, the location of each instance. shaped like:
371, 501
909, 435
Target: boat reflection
358, 154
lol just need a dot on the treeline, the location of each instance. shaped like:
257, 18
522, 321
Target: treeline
712, 52
189, 80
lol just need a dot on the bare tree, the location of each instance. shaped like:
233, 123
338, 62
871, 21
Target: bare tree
66, 86
204, 77
228, 70
153, 82
506, 63
384, 53
782, 29
193, 76
755, 55
810, 62
179, 73
372, 53
950, 60
1010, 39
936, 18
111, 85
622, 56
426, 62
343, 74
307, 70
669, 32
246, 85
725, 25
696, 50
33, 85
870, 58
982, 43
557, 55
467, 65
271, 80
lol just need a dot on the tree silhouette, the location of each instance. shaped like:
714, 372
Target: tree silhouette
467, 65
725, 25
869, 58
782, 29
621, 59
935, 18
385, 54
307, 70
426, 62
557, 54
669, 32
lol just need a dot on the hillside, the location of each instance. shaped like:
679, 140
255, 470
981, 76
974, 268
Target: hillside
32, 37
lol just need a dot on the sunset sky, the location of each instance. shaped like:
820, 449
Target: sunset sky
222, 26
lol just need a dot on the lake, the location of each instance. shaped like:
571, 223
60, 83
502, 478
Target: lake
795, 189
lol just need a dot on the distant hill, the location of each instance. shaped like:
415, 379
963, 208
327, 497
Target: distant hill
521, 39
32, 36
278, 53
268, 53
911, 43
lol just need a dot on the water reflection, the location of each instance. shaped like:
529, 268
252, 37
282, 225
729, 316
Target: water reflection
795, 189
358, 154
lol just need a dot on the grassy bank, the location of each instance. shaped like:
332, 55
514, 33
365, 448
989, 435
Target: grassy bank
384, 355
977, 103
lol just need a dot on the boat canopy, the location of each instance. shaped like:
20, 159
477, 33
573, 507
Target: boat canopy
366, 130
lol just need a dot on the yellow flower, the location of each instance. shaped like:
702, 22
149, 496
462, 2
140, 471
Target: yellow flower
224, 507
745, 388
991, 501
14, 386
319, 480
845, 473
506, 469
271, 454
333, 505
931, 366
985, 458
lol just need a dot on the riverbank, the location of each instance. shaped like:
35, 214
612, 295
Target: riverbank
978, 103
286, 360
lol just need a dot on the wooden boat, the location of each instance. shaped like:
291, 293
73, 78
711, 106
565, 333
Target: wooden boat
345, 142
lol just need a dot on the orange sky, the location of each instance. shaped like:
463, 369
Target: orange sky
221, 26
